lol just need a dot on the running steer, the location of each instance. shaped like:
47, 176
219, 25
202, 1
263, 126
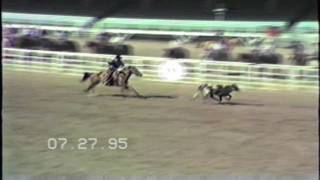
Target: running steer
216, 93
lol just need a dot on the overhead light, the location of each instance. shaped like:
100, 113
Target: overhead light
220, 10
171, 71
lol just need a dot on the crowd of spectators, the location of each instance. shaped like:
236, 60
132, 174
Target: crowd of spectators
259, 50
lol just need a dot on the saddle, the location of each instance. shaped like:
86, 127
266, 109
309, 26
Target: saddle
112, 77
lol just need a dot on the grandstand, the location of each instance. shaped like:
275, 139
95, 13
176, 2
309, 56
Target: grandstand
307, 30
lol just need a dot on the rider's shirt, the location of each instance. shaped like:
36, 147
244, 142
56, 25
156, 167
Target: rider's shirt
116, 63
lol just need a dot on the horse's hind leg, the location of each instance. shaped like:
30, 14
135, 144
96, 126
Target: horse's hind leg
229, 97
205, 95
195, 96
213, 97
91, 86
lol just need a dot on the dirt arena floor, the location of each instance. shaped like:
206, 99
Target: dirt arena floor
258, 132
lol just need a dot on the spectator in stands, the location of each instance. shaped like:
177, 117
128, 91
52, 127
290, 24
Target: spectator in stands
220, 51
268, 47
64, 36
299, 55
103, 37
6, 42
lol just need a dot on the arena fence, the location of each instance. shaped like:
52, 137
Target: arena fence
247, 75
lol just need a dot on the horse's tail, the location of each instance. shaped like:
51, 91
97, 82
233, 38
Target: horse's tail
86, 75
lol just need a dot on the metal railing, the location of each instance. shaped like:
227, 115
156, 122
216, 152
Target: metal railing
248, 75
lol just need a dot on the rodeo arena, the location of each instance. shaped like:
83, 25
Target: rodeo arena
179, 97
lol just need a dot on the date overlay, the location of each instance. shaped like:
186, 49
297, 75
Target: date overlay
114, 143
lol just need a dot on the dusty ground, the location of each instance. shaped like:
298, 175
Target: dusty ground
258, 132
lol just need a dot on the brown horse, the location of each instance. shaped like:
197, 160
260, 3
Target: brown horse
119, 79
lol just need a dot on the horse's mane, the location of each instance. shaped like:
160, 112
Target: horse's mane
131, 67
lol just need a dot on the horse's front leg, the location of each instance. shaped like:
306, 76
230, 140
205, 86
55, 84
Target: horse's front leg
130, 88
122, 89
220, 99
